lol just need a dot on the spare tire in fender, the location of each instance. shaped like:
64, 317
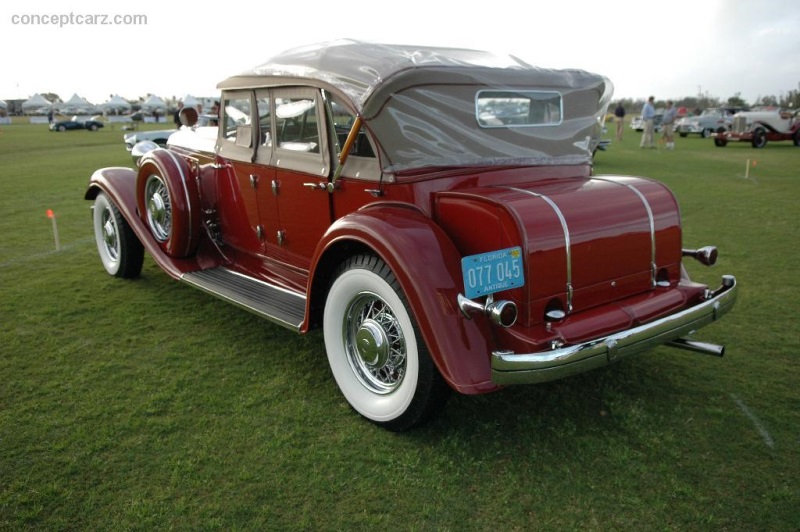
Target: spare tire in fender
169, 202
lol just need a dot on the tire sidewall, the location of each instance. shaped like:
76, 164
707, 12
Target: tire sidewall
759, 138
101, 205
376, 407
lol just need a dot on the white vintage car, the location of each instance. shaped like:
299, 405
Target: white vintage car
161, 136
758, 127
707, 123
637, 124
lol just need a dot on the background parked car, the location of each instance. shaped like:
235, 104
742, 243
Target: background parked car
159, 136
637, 123
708, 122
74, 123
758, 127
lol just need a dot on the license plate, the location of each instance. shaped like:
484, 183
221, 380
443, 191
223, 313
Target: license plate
487, 273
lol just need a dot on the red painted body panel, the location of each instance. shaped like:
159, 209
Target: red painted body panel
241, 205
304, 215
609, 261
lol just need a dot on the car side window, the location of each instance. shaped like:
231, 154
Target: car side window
237, 120
264, 121
297, 124
264, 134
236, 126
298, 121
361, 161
343, 119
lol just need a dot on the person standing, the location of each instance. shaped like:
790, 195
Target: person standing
668, 125
619, 118
176, 117
648, 115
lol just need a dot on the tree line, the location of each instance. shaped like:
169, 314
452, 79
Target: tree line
788, 100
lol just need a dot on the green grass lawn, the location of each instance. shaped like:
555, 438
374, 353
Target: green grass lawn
148, 405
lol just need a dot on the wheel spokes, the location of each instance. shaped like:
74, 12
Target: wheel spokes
159, 208
375, 344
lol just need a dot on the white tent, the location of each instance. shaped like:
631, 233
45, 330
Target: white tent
154, 102
116, 103
3, 104
35, 103
190, 101
76, 104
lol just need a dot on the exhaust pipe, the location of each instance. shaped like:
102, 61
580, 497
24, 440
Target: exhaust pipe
706, 255
503, 313
698, 347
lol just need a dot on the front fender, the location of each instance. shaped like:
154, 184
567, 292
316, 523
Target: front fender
119, 184
428, 268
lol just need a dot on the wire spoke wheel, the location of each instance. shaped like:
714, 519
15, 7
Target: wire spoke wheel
375, 343
159, 208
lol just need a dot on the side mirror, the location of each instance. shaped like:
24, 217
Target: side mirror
188, 116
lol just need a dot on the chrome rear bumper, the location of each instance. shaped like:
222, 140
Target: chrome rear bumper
510, 368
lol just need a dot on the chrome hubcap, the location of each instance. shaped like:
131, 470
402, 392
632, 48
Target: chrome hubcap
374, 342
371, 344
110, 236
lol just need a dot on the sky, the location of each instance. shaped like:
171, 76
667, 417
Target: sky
669, 49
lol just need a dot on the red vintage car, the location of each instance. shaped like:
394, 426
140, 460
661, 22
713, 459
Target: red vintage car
433, 210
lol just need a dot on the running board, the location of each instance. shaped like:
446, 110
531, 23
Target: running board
276, 304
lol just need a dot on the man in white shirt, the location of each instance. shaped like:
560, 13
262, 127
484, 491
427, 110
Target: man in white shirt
648, 115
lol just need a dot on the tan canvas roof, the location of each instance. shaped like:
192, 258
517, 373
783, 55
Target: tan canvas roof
420, 102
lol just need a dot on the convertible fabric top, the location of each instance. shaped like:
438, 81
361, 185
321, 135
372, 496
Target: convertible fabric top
357, 68
420, 102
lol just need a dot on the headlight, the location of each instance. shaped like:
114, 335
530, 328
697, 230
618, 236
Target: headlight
141, 148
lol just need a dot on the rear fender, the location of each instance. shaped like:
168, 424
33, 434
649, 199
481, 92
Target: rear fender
428, 268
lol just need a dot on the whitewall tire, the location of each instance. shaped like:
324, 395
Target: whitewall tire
121, 253
375, 352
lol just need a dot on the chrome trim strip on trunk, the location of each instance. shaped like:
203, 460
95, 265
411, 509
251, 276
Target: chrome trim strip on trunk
510, 368
650, 217
567, 244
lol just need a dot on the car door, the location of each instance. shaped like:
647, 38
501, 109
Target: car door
302, 162
237, 173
